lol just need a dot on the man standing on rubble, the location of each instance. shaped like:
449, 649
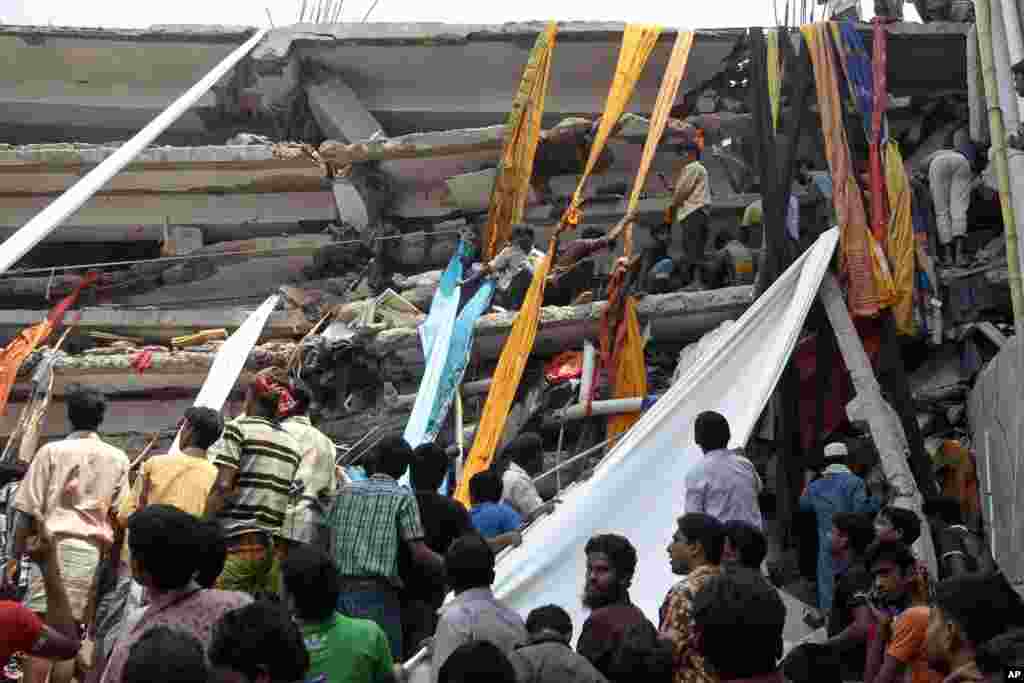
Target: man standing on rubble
315, 479
951, 178
256, 462
723, 484
70, 488
838, 490
691, 205
574, 266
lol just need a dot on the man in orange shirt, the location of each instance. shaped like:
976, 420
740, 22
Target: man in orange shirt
899, 643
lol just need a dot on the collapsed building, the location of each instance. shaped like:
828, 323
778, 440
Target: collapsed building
340, 164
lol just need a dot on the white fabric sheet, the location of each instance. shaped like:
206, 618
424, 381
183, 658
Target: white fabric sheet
638, 489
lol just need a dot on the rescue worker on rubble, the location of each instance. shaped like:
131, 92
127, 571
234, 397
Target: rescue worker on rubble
513, 268
732, 264
658, 271
951, 178
574, 268
690, 206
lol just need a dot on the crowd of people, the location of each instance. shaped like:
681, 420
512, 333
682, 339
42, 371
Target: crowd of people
247, 556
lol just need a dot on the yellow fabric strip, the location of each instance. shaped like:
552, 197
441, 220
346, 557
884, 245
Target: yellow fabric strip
900, 240
774, 74
630, 371
512, 185
637, 43
662, 107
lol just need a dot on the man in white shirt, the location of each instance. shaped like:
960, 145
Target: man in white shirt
523, 459
723, 484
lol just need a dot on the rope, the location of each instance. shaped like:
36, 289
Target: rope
191, 257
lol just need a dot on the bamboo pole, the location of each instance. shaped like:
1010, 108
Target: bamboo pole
983, 11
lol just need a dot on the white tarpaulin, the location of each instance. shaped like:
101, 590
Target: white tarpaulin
638, 489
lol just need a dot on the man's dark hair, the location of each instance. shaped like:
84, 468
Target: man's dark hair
641, 656
858, 527
812, 663
485, 487
711, 431
527, 451
469, 563
477, 660
213, 553
207, 426
905, 521
697, 526
945, 508
259, 638
166, 655
896, 552
392, 456
429, 467
165, 541
983, 605
1003, 651
312, 580
739, 606
592, 233
550, 617
619, 550
86, 408
749, 542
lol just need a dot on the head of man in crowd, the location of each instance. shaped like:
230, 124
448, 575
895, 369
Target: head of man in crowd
527, 451
485, 487
852, 533
698, 541
522, 236
469, 563
213, 553
969, 610
258, 643
549, 621
86, 408
392, 457
268, 394
711, 431
893, 567
897, 524
166, 655
311, 584
166, 546
1018, 78
611, 563
739, 609
429, 467
476, 661
201, 428
745, 545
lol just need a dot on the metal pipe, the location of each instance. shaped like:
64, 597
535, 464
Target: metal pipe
587, 378
47, 220
610, 407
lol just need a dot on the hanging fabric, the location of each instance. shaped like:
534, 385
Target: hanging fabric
512, 184
880, 91
774, 69
622, 345
637, 43
861, 258
900, 238
15, 353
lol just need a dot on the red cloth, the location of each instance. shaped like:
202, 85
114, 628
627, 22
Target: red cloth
880, 91
840, 389
268, 386
20, 628
563, 367
142, 361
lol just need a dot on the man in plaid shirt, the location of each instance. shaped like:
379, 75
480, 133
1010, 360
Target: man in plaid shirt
366, 524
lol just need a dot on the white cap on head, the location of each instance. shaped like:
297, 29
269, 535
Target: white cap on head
835, 450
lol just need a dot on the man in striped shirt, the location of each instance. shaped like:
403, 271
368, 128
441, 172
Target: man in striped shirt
256, 461
366, 524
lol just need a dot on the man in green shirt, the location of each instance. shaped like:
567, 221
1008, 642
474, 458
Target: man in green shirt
341, 649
